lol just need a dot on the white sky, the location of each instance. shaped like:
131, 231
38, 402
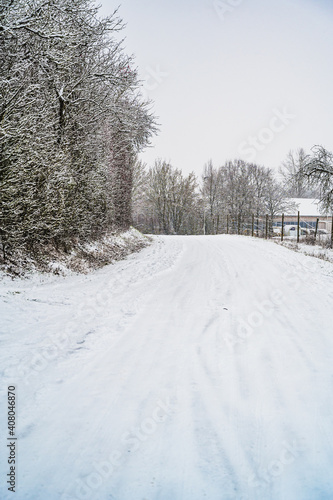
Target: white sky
222, 72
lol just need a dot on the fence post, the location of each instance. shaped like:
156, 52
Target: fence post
282, 227
316, 230
298, 223
266, 234
252, 231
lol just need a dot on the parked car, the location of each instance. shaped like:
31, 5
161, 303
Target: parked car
292, 230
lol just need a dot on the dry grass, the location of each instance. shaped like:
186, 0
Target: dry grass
320, 251
74, 257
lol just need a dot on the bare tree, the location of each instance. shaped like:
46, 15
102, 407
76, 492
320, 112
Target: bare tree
183, 197
318, 170
141, 216
172, 203
213, 196
275, 200
240, 190
172, 198
295, 184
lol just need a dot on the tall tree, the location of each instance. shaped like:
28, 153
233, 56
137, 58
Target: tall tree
213, 196
71, 121
172, 198
295, 184
318, 170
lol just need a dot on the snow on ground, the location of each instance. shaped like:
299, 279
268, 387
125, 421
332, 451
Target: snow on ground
200, 368
318, 251
83, 257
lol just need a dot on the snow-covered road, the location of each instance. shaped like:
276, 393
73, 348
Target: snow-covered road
200, 368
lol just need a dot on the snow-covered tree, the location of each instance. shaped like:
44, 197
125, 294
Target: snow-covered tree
170, 199
318, 170
294, 183
239, 190
71, 121
212, 197
276, 201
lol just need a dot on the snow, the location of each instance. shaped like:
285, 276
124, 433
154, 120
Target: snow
199, 368
318, 251
84, 257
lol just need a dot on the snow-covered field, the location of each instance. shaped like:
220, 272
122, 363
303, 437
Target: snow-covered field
200, 368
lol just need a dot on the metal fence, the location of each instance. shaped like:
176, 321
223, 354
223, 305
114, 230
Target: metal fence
278, 227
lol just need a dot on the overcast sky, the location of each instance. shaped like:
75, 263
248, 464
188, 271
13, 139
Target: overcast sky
246, 79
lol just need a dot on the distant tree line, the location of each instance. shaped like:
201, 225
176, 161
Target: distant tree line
72, 121
165, 201
226, 197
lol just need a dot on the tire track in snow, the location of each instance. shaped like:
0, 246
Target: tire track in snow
173, 304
